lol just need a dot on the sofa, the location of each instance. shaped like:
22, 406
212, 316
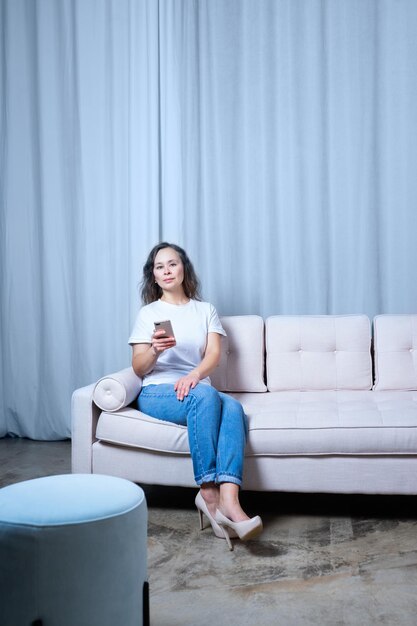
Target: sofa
331, 403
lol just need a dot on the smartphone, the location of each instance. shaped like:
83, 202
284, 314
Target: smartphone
166, 326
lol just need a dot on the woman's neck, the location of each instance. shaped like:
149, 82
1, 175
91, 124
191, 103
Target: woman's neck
175, 298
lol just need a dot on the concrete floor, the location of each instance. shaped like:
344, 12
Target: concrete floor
329, 560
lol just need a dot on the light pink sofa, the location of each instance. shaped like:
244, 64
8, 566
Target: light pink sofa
328, 409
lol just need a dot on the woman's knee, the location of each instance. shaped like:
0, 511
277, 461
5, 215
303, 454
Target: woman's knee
205, 393
231, 404
233, 411
204, 402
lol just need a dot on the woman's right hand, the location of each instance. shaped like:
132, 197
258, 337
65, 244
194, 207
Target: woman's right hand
145, 356
161, 342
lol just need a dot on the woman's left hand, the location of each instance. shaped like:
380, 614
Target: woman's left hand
184, 384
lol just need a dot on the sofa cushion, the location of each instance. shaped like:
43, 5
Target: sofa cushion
115, 391
331, 422
130, 427
242, 364
290, 423
395, 352
323, 352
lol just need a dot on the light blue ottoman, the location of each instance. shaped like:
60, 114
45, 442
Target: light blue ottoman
73, 552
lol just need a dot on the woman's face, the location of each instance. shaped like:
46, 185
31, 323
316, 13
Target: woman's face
168, 270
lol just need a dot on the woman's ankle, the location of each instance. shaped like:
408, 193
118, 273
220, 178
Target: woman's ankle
230, 506
210, 493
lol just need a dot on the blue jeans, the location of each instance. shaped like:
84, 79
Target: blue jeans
216, 428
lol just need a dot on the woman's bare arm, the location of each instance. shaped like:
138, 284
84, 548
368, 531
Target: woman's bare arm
145, 355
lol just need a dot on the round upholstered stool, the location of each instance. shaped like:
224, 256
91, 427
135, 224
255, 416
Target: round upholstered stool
73, 552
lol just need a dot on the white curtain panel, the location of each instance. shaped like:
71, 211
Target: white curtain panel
79, 197
276, 140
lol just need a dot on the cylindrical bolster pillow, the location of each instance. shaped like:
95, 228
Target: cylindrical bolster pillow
115, 391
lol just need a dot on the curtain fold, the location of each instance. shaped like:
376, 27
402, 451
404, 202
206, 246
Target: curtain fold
79, 86
275, 140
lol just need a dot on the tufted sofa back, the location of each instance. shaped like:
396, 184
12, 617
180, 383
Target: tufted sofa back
242, 362
395, 342
303, 352
299, 353
315, 353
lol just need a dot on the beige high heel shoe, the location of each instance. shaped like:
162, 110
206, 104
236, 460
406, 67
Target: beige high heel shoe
202, 509
245, 530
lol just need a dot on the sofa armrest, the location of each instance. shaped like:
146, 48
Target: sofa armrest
84, 418
110, 393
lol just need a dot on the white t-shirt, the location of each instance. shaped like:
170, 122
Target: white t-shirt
191, 324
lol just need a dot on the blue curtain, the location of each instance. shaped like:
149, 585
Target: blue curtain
276, 140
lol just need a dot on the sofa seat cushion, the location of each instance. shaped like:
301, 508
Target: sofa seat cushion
290, 423
130, 427
331, 422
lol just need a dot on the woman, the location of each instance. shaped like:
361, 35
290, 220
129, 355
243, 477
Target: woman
176, 386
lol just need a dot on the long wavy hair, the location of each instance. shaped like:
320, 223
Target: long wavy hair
151, 292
